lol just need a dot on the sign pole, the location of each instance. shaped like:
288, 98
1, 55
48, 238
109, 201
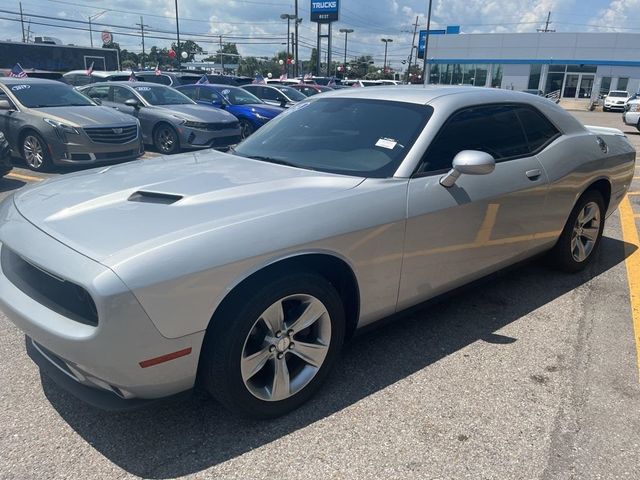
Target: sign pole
329, 51
425, 65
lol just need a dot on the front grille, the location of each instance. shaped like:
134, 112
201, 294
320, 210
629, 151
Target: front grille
225, 141
61, 296
213, 127
113, 134
112, 155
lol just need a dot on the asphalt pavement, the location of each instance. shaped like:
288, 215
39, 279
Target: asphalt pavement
532, 374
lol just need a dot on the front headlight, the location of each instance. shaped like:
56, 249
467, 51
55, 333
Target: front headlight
198, 125
63, 127
634, 107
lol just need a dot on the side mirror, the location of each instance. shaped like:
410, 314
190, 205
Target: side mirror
6, 105
217, 103
132, 102
283, 102
97, 100
468, 162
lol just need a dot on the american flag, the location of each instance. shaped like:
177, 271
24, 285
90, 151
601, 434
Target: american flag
17, 72
90, 69
307, 77
283, 77
259, 80
203, 81
132, 77
158, 72
332, 82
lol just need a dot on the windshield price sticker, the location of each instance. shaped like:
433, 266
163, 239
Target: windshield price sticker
15, 88
388, 143
226, 91
143, 89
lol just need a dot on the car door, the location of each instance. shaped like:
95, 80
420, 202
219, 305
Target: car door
484, 222
11, 121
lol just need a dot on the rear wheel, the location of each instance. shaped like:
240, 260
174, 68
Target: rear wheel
165, 139
582, 234
35, 152
246, 128
268, 351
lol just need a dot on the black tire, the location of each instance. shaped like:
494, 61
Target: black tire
35, 152
246, 128
165, 139
563, 255
231, 328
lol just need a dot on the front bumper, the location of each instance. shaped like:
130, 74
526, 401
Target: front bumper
614, 106
196, 138
105, 357
631, 118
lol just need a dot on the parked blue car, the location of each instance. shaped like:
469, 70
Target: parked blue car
249, 109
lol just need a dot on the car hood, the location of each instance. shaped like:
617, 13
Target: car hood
196, 113
115, 213
88, 116
270, 111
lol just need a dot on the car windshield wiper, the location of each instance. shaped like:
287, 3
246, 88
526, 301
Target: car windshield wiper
277, 161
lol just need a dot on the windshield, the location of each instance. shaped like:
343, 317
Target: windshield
33, 95
350, 136
238, 96
619, 94
292, 93
161, 95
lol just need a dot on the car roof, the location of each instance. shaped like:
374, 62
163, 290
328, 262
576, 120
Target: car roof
43, 81
127, 84
101, 73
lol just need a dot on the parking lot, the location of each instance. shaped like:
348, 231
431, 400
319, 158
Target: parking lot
531, 374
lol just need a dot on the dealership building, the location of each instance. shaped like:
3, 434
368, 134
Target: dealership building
572, 65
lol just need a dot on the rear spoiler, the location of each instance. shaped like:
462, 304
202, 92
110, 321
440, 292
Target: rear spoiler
605, 131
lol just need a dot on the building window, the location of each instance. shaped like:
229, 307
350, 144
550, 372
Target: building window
605, 85
558, 68
622, 83
534, 77
481, 75
496, 77
582, 68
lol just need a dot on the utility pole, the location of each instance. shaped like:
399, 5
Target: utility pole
413, 42
221, 56
425, 73
295, 50
386, 44
22, 23
91, 18
346, 32
178, 56
142, 25
546, 28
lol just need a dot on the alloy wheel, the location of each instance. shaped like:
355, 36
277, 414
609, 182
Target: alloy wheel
166, 140
585, 232
33, 152
286, 347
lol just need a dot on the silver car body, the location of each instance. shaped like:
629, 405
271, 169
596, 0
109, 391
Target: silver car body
159, 244
103, 134
197, 126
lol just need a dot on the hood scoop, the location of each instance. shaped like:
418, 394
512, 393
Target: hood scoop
154, 197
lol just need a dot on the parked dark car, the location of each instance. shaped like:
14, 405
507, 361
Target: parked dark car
173, 79
278, 95
229, 80
79, 77
49, 122
310, 90
5, 156
170, 120
246, 107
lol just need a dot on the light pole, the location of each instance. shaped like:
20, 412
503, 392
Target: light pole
178, 39
386, 44
346, 32
425, 74
91, 18
288, 17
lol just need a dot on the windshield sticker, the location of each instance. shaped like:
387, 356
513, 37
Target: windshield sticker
143, 89
226, 91
388, 143
15, 88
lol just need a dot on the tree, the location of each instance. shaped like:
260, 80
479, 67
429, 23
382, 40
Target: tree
188, 46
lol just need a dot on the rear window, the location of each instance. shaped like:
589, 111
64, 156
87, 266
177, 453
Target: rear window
539, 131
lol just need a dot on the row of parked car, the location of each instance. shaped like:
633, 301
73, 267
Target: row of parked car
111, 116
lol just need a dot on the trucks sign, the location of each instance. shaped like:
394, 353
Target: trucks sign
324, 11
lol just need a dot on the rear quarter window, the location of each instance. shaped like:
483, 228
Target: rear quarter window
539, 130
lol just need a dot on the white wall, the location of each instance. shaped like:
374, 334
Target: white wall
515, 76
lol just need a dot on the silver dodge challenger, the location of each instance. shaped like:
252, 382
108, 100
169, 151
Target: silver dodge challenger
243, 273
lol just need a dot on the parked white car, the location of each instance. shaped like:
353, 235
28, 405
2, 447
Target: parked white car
615, 100
631, 115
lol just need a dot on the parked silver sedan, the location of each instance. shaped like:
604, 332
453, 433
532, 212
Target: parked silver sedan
246, 272
47, 122
170, 121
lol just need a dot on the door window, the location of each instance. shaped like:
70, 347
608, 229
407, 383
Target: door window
494, 129
189, 92
121, 95
209, 95
272, 94
99, 91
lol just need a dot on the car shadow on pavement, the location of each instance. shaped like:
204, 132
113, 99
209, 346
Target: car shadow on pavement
182, 438
8, 184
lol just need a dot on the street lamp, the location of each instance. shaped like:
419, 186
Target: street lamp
178, 37
288, 17
346, 32
91, 18
386, 44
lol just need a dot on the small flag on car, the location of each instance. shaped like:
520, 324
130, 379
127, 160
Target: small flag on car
332, 82
132, 77
90, 69
203, 81
259, 80
17, 72
158, 72
283, 77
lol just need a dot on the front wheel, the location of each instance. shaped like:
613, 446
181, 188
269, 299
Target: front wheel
246, 128
582, 234
165, 139
269, 349
35, 152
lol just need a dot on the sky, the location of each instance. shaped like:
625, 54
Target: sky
255, 25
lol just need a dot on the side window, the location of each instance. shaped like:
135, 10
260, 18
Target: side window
121, 94
271, 94
99, 91
494, 129
189, 92
208, 95
538, 129
254, 89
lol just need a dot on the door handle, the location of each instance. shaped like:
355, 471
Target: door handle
533, 175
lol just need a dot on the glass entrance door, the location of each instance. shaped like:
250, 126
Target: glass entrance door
570, 85
586, 86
